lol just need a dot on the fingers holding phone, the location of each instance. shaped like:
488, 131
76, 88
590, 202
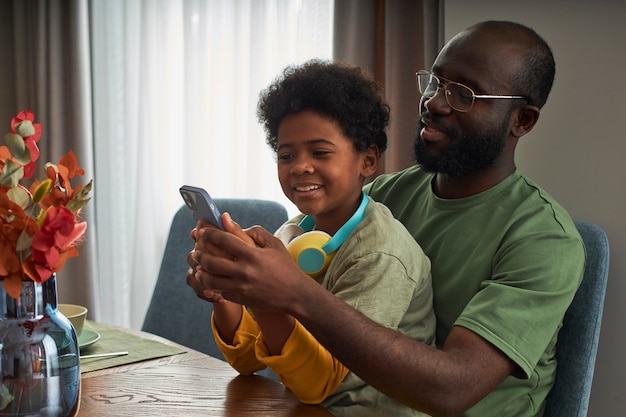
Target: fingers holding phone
201, 205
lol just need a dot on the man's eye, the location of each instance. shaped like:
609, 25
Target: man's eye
460, 93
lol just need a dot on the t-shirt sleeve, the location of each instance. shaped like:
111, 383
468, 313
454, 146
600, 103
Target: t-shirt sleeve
521, 308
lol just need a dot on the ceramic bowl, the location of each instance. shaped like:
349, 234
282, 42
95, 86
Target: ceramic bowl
76, 315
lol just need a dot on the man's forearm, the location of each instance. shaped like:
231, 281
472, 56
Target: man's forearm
438, 382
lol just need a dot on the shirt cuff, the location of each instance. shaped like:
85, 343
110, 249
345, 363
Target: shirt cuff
240, 355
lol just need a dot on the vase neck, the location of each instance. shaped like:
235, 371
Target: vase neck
33, 300
49, 290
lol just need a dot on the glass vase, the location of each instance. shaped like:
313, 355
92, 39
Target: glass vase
40, 368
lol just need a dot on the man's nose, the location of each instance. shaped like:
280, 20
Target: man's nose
437, 103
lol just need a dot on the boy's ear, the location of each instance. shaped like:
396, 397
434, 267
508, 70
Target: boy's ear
370, 161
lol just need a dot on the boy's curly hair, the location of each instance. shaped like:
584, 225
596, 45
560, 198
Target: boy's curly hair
344, 93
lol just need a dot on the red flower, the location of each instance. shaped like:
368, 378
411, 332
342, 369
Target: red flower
53, 243
29, 140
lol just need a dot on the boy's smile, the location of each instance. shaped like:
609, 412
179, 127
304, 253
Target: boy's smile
319, 169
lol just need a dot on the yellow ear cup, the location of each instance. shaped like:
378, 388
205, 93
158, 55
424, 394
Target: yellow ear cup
306, 250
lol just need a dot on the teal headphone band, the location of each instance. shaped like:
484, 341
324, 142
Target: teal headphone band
312, 250
308, 223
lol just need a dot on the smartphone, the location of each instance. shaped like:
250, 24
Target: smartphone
201, 205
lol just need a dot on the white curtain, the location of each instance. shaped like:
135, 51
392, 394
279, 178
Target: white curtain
176, 84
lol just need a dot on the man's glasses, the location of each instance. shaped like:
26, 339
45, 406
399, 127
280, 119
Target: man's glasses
458, 96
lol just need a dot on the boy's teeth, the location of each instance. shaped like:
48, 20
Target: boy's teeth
308, 188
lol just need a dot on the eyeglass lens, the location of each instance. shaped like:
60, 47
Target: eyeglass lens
458, 96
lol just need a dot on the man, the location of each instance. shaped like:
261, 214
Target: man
506, 258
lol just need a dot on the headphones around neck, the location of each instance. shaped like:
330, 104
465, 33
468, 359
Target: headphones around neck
313, 250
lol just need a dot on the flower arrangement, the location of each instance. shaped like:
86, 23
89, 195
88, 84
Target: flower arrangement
39, 224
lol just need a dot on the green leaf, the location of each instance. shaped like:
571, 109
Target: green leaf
80, 200
18, 148
41, 190
76, 205
11, 174
5, 397
24, 242
25, 128
19, 196
85, 190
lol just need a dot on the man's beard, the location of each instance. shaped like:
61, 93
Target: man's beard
465, 155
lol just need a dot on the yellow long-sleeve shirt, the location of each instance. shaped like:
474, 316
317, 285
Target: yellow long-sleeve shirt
304, 365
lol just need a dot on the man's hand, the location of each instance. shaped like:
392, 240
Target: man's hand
263, 275
194, 282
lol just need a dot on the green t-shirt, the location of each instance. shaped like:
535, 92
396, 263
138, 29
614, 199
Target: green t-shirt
383, 273
506, 264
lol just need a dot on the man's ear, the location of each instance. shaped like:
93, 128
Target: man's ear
524, 119
370, 161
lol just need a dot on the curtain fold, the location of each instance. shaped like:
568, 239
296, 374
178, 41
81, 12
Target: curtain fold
52, 78
393, 39
175, 85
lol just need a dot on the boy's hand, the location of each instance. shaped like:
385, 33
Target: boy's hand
201, 291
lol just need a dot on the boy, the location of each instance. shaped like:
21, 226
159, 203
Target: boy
326, 122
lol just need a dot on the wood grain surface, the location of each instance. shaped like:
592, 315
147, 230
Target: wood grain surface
189, 384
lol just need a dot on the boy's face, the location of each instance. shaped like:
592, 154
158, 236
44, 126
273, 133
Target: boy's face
320, 170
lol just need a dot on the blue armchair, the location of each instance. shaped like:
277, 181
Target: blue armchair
577, 345
175, 312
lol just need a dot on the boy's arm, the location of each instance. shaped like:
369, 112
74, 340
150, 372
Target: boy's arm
302, 364
239, 353
226, 317
276, 329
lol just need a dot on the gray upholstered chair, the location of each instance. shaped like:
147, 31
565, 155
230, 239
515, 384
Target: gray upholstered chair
577, 345
175, 312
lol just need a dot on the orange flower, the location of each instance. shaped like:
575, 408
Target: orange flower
39, 227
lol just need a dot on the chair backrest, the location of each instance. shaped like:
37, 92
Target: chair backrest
175, 312
577, 344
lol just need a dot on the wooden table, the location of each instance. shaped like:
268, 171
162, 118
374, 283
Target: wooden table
188, 384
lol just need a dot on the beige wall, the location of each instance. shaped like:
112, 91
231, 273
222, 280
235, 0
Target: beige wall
577, 152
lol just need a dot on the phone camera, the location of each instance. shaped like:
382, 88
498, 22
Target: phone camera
191, 203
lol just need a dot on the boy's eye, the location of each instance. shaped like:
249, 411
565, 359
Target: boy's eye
320, 152
284, 156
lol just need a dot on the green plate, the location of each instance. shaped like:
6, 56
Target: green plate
88, 337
